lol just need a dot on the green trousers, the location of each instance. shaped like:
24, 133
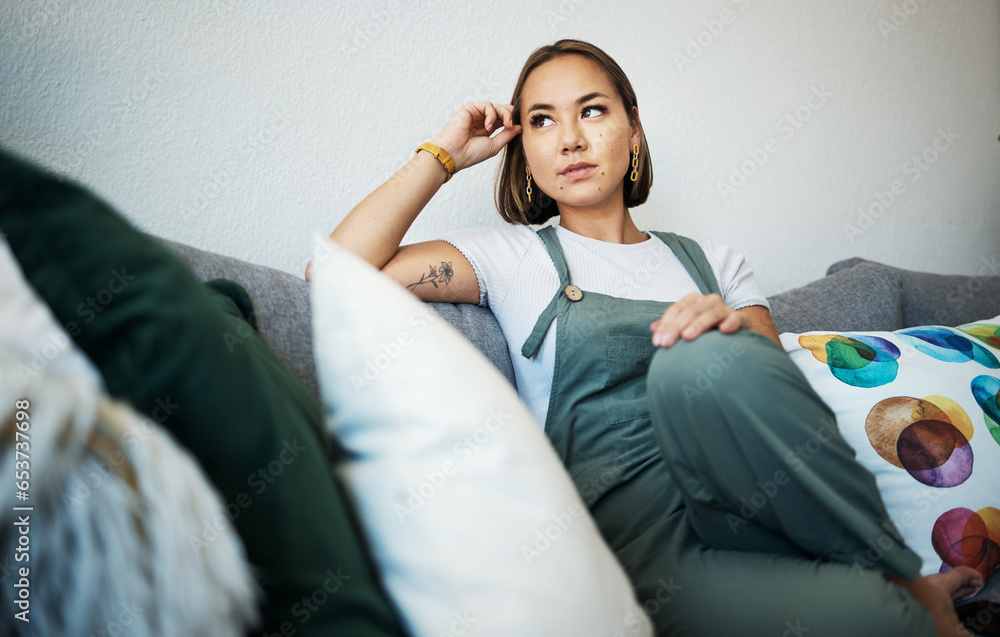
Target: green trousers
773, 528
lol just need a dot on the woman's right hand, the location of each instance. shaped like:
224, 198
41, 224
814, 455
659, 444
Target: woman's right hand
467, 135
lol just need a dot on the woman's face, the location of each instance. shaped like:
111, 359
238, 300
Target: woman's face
576, 135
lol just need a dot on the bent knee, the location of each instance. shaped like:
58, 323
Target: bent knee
709, 359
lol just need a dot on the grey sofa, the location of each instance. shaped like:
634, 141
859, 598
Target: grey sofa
855, 295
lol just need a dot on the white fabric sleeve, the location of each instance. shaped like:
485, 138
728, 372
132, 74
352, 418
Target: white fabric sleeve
736, 279
494, 254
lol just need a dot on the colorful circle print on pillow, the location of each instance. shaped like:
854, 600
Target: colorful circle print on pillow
986, 390
921, 409
858, 360
988, 334
928, 437
945, 345
963, 537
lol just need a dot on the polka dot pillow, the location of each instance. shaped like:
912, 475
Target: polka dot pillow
921, 408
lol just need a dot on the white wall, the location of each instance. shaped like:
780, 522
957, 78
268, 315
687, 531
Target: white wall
245, 127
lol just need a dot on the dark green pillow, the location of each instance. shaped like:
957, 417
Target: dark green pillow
185, 355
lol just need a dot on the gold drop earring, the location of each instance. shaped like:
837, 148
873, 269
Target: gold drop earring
527, 171
635, 163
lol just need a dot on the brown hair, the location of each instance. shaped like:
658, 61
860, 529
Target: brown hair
511, 183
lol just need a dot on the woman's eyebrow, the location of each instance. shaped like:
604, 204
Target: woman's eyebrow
585, 98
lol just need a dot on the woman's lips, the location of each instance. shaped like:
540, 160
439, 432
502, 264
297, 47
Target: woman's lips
579, 173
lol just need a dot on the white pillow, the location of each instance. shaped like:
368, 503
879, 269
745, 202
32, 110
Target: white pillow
920, 408
472, 519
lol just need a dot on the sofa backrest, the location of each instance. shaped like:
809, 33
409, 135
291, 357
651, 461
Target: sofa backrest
283, 312
856, 295
867, 297
940, 299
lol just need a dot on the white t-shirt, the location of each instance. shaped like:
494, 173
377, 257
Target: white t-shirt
517, 280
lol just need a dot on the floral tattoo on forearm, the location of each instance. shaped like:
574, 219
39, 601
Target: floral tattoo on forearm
435, 275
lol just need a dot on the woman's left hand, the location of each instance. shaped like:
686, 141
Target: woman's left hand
694, 315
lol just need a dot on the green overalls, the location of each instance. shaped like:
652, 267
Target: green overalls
722, 526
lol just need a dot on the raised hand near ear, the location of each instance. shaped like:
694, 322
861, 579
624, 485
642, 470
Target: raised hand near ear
471, 136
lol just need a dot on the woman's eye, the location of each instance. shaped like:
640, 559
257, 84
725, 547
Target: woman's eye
544, 121
537, 121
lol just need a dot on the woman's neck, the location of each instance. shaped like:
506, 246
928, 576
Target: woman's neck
601, 225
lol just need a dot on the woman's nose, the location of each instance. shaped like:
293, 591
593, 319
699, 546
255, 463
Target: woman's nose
572, 137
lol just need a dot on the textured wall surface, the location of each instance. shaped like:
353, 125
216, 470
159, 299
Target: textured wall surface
799, 132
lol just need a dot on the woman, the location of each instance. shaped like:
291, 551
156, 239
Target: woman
597, 313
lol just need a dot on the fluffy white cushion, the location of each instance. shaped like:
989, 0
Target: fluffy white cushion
473, 521
920, 408
114, 505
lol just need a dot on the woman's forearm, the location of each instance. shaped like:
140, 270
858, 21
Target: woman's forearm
375, 227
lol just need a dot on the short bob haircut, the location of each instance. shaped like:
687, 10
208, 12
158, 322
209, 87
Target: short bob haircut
511, 182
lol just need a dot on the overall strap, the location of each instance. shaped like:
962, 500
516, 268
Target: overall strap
693, 258
548, 237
